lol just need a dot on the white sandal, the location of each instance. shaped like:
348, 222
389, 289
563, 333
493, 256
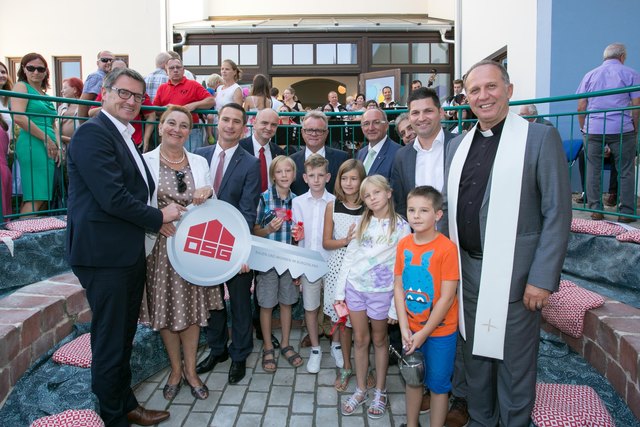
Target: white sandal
378, 407
358, 398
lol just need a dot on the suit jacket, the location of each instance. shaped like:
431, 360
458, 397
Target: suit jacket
384, 160
545, 211
335, 157
247, 144
240, 184
201, 178
107, 210
403, 173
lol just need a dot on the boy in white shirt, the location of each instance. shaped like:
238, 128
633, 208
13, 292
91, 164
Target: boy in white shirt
309, 209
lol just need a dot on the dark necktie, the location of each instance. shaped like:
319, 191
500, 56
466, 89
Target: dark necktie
263, 170
219, 172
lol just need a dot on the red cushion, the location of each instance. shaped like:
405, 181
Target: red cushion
597, 228
629, 236
569, 405
36, 225
13, 235
71, 418
75, 353
567, 307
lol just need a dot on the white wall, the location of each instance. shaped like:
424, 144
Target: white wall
489, 25
83, 28
297, 8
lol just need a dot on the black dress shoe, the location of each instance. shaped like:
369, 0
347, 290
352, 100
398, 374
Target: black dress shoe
237, 372
211, 361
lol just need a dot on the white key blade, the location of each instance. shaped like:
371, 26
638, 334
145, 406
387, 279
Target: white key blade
267, 254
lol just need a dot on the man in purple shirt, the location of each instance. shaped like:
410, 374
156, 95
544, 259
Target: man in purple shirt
615, 128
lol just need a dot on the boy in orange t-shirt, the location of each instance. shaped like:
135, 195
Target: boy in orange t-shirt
426, 278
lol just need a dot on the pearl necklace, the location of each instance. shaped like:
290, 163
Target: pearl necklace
171, 161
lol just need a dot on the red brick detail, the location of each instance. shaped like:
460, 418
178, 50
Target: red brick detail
609, 309
85, 316
68, 278
42, 345
633, 398
28, 321
10, 339
5, 384
575, 343
63, 329
607, 338
48, 288
19, 365
77, 302
591, 324
52, 314
595, 356
630, 355
617, 377
619, 309
19, 300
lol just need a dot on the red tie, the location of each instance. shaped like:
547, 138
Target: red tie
263, 170
219, 172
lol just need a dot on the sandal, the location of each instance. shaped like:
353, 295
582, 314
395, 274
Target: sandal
342, 380
269, 365
171, 390
358, 398
295, 359
378, 407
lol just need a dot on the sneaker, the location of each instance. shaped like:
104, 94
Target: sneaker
458, 415
313, 364
425, 406
336, 353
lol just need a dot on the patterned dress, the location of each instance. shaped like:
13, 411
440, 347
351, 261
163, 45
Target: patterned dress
343, 217
172, 302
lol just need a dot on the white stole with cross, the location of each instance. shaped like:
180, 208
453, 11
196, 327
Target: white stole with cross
500, 233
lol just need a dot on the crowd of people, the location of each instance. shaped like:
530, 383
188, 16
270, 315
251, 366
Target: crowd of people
403, 227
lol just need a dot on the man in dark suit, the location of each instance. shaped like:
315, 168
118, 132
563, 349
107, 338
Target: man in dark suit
377, 156
420, 162
315, 125
109, 190
508, 208
236, 180
265, 150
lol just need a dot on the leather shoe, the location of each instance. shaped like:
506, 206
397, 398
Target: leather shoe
611, 200
626, 219
211, 361
146, 417
596, 216
237, 372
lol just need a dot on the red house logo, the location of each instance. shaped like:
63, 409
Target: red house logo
210, 239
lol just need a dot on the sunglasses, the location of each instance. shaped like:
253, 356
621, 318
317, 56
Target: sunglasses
105, 60
31, 69
182, 186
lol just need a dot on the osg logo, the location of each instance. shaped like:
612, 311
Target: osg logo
210, 239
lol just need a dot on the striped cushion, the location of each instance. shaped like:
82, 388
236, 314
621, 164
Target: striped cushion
569, 405
71, 418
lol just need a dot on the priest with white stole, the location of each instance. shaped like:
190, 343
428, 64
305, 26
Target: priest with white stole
508, 208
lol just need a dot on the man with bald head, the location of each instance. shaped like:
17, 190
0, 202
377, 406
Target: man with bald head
93, 85
377, 156
158, 76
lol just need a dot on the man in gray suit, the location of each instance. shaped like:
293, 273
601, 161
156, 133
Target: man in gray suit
508, 208
377, 156
420, 162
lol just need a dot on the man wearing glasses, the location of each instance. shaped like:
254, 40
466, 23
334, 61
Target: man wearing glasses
315, 128
377, 156
93, 84
189, 93
108, 214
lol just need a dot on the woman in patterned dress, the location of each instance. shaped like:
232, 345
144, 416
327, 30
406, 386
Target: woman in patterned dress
174, 306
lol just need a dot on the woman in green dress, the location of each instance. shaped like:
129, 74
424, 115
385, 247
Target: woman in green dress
36, 148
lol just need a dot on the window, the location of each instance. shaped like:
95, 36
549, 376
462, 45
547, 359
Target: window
209, 55
325, 54
13, 63
282, 54
409, 53
212, 55
66, 67
244, 54
191, 55
303, 54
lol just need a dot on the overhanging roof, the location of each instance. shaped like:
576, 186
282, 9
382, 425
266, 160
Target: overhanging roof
315, 23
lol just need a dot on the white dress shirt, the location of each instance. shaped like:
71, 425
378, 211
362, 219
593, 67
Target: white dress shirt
228, 154
310, 211
321, 151
430, 163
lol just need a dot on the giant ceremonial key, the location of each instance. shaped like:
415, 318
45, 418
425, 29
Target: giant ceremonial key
212, 241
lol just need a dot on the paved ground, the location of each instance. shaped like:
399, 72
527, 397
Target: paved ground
290, 397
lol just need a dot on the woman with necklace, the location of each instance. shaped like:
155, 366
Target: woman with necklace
172, 305
37, 148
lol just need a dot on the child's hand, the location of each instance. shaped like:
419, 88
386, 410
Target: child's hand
417, 340
351, 234
406, 338
297, 231
275, 224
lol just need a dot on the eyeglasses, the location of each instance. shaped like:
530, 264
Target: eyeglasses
126, 94
105, 60
31, 69
314, 131
182, 186
176, 67
373, 122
